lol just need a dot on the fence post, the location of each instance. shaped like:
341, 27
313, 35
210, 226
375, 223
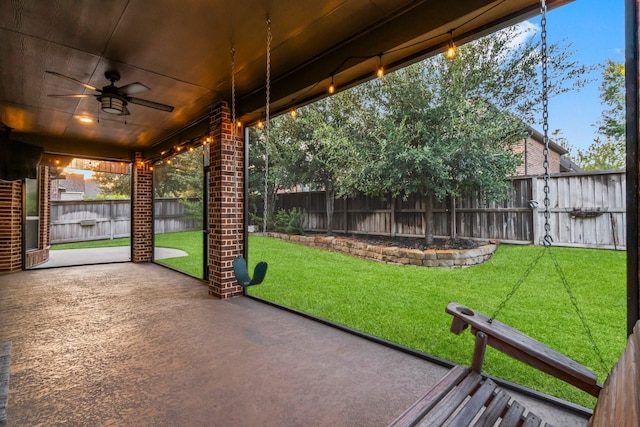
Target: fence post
454, 231
394, 228
111, 221
535, 206
346, 214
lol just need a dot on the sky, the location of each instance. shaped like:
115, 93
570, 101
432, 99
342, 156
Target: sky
595, 28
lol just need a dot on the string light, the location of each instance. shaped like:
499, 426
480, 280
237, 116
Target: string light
293, 113
380, 71
332, 87
260, 124
451, 50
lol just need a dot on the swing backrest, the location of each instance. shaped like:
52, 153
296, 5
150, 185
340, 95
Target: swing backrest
520, 346
619, 401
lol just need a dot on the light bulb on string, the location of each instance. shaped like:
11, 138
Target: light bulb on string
260, 124
451, 50
380, 71
293, 113
332, 87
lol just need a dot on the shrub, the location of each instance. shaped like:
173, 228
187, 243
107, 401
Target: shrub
290, 221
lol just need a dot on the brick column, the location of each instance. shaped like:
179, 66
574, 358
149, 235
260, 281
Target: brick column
10, 226
141, 211
225, 219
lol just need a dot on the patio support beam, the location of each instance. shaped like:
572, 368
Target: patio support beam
632, 68
226, 219
142, 211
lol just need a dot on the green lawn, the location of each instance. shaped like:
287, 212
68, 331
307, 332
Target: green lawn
125, 241
405, 304
189, 241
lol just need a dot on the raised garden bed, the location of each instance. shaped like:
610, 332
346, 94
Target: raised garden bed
380, 251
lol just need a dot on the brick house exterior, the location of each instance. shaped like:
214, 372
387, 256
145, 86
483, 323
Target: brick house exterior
532, 151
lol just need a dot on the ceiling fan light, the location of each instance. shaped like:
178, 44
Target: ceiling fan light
111, 104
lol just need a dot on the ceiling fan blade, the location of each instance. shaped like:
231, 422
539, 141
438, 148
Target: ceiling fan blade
150, 104
77, 95
133, 88
71, 79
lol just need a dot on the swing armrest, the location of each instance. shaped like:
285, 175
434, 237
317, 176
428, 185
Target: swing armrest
524, 348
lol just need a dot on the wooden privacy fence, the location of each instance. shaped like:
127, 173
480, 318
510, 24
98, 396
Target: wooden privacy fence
586, 210
83, 220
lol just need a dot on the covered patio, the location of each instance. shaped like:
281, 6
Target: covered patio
137, 344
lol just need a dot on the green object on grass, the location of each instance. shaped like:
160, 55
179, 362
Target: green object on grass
242, 272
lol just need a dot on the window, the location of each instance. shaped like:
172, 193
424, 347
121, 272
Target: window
32, 214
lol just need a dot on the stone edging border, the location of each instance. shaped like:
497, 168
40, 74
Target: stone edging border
394, 254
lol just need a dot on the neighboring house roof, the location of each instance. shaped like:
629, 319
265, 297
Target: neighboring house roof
552, 145
566, 164
73, 183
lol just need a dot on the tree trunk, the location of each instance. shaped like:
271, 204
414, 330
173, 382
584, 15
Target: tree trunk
428, 218
329, 195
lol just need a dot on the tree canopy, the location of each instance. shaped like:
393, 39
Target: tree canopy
441, 127
608, 149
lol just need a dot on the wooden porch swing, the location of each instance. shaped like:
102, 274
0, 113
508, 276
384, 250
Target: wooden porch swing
464, 396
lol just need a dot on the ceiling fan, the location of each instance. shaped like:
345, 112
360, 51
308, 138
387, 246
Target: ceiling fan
114, 100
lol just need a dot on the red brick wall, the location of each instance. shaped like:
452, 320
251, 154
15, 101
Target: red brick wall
225, 219
142, 211
533, 158
10, 226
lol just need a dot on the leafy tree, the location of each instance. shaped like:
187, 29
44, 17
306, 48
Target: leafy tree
603, 155
311, 149
444, 127
181, 176
608, 150
113, 185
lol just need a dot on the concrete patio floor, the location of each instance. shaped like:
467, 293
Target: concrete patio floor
139, 344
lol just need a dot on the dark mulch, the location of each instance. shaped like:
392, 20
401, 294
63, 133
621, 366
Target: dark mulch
410, 242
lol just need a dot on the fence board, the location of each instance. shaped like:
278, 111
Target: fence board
83, 220
518, 218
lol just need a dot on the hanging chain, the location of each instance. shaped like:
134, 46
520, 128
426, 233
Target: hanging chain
266, 124
547, 240
583, 320
517, 285
235, 149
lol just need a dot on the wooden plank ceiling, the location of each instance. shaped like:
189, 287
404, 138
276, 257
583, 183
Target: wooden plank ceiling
181, 51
